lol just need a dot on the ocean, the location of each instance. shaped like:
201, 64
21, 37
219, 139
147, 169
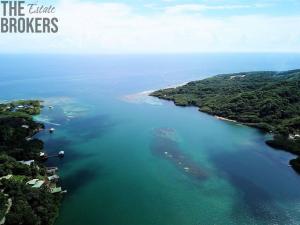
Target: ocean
131, 159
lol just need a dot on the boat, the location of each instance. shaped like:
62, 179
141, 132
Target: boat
51, 130
61, 154
43, 155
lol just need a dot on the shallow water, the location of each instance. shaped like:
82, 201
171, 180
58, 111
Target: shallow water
135, 160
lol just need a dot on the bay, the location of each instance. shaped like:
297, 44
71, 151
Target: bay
136, 160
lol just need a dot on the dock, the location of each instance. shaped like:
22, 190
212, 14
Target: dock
44, 156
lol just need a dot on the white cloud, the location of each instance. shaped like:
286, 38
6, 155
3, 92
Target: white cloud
185, 8
86, 27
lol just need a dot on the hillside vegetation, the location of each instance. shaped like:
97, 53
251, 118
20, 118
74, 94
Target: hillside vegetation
267, 100
29, 206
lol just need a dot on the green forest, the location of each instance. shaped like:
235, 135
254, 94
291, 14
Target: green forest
19, 202
267, 100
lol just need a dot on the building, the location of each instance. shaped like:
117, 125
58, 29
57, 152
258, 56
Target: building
32, 182
28, 138
53, 177
51, 170
36, 183
28, 162
55, 190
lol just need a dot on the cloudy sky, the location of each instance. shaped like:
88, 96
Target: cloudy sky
165, 26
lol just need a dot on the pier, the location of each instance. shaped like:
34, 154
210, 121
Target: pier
45, 156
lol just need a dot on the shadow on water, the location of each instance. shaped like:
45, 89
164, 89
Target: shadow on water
258, 202
53, 145
80, 178
76, 130
241, 170
164, 145
69, 158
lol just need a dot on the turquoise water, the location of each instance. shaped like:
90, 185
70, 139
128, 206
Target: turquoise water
135, 160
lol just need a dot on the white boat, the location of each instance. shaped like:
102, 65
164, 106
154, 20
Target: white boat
61, 153
51, 130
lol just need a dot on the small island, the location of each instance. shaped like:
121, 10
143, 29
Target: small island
28, 189
267, 100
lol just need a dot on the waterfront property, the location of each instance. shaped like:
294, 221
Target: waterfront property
55, 190
54, 177
21, 168
51, 170
38, 184
27, 162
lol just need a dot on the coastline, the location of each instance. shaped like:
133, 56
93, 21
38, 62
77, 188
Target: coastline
294, 163
177, 85
145, 95
22, 164
279, 141
226, 119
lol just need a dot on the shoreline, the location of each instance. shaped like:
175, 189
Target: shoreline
23, 170
143, 96
210, 92
226, 119
177, 85
293, 162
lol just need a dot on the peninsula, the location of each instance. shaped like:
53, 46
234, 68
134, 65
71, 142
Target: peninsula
28, 192
267, 100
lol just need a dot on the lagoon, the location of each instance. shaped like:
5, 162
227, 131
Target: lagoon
136, 160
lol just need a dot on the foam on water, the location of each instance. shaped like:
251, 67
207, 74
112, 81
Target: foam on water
141, 97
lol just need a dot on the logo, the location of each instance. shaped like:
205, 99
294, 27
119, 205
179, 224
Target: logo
22, 17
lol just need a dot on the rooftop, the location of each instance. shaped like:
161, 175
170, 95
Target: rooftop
38, 184
28, 162
55, 190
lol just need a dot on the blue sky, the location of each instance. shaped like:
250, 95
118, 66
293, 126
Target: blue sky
165, 26
266, 7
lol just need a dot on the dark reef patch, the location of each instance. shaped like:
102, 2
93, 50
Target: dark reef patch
257, 201
165, 146
80, 178
254, 197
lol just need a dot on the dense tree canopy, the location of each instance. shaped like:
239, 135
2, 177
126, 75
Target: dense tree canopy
30, 206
